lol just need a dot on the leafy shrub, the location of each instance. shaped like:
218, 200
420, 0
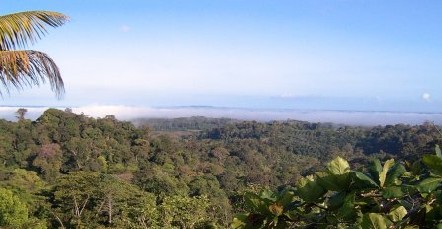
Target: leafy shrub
392, 195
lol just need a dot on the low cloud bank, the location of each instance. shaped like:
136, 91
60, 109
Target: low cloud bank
342, 117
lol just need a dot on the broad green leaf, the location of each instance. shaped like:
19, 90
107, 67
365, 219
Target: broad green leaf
374, 221
375, 168
291, 215
347, 211
286, 197
395, 172
267, 194
397, 214
255, 202
383, 175
334, 182
337, 200
392, 192
252, 200
239, 221
430, 184
309, 189
408, 189
428, 208
363, 181
434, 163
338, 166
376, 165
416, 168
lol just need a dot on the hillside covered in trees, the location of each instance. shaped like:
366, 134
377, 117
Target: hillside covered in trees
73, 171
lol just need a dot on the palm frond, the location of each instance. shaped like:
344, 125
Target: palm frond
27, 68
19, 29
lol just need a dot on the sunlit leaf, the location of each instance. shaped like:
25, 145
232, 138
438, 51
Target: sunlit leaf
239, 221
362, 180
383, 175
19, 29
416, 168
347, 211
397, 214
375, 168
338, 166
286, 197
253, 201
337, 200
27, 68
374, 221
309, 190
267, 194
434, 163
334, 182
395, 172
392, 192
429, 184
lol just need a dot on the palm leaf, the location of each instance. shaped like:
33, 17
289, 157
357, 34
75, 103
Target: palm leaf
28, 68
19, 29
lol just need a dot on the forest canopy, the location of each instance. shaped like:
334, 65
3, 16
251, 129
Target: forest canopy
69, 170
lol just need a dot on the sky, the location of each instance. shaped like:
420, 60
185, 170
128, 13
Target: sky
363, 55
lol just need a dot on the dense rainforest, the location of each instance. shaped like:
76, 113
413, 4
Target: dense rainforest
65, 170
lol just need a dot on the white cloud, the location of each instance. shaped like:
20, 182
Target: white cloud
426, 97
129, 112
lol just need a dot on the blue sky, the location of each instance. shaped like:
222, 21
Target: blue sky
297, 54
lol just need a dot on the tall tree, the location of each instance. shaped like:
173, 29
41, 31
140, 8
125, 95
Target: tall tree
20, 68
20, 114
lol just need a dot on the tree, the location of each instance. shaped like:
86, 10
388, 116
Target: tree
20, 68
92, 199
184, 211
49, 160
20, 113
13, 212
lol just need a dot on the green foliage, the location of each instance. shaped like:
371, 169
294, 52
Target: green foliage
48, 161
93, 197
27, 68
387, 196
185, 124
13, 213
268, 210
309, 189
183, 211
75, 171
434, 163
